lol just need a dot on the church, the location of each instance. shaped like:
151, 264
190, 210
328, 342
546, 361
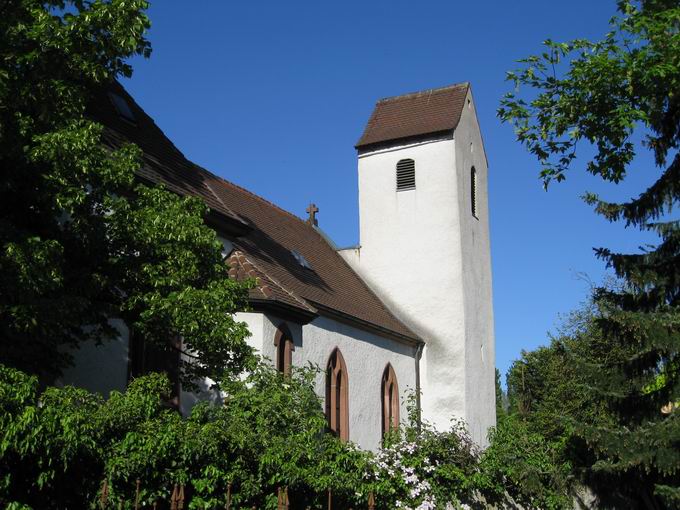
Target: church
407, 309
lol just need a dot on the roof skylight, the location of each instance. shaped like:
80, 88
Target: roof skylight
122, 107
301, 259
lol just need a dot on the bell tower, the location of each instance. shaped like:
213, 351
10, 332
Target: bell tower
424, 244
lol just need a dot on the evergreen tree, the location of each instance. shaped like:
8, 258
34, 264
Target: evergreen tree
501, 398
81, 241
603, 93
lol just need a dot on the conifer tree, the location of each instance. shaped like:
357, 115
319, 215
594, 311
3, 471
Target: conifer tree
602, 94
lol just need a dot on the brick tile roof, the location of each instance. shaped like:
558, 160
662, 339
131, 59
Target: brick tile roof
241, 268
162, 161
419, 113
265, 251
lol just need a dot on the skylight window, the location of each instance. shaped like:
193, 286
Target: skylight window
122, 107
301, 259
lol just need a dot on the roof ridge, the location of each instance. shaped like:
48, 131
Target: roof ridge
255, 195
424, 92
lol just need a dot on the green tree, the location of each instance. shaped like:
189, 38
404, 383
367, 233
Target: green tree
501, 397
57, 446
81, 241
603, 93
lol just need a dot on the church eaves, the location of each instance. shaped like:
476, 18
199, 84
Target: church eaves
414, 115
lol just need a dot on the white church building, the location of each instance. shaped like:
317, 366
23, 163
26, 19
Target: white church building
409, 308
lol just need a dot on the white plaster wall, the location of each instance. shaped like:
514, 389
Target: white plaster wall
255, 323
100, 368
411, 255
429, 260
366, 356
476, 252
104, 368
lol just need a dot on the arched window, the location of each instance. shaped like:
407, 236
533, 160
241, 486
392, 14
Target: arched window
389, 391
406, 175
284, 349
337, 396
473, 191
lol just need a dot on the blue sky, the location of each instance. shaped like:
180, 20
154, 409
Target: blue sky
274, 95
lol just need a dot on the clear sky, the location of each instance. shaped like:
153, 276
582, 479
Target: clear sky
274, 95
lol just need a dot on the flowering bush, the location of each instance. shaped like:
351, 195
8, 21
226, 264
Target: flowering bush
402, 478
420, 468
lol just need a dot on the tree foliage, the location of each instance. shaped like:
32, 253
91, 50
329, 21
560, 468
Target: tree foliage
603, 94
80, 241
56, 447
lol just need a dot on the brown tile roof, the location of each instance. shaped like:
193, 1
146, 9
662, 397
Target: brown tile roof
241, 268
162, 162
419, 113
265, 251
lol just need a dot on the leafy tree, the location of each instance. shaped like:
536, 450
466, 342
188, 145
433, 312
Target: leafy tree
525, 466
603, 93
80, 241
546, 387
56, 447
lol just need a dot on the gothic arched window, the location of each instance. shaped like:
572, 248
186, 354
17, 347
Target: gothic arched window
406, 175
389, 391
284, 349
337, 396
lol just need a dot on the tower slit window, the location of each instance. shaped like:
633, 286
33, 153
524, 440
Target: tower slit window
473, 191
406, 175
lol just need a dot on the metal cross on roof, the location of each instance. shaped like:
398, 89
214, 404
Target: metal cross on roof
312, 210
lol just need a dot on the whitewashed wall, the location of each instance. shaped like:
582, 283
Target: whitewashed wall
411, 255
480, 360
366, 356
428, 258
104, 368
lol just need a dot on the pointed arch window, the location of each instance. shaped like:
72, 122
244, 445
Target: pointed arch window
390, 400
337, 396
284, 349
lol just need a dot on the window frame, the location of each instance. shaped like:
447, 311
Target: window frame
337, 395
283, 341
389, 400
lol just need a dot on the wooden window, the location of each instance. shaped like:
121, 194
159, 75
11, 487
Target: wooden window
337, 396
145, 357
406, 175
389, 392
284, 349
473, 191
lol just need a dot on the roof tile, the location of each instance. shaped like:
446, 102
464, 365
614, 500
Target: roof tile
419, 113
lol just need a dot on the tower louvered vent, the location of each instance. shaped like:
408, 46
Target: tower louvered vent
406, 175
